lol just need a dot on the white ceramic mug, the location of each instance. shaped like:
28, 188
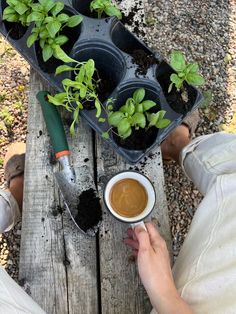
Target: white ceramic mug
151, 197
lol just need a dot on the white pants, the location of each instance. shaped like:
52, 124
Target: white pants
205, 270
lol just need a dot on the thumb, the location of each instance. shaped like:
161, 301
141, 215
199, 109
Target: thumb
143, 238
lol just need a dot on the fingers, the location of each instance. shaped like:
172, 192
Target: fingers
131, 234
132, 243
143, 238
156, 240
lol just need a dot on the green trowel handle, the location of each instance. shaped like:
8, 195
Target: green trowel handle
54, 125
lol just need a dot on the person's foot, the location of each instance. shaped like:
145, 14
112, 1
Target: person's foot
14, 165
179, 138
175, 142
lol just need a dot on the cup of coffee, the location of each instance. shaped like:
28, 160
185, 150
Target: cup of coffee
130, 197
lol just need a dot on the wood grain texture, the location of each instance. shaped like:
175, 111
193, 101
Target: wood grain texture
121, 289
57, 261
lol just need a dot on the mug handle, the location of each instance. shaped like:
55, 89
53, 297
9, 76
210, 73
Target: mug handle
140, 223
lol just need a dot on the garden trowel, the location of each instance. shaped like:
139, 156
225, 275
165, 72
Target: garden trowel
65, 178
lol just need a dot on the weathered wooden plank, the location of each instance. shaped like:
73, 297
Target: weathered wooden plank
121, 290
80, 249
57, 261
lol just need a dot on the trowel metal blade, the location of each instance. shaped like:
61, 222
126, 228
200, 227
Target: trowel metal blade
70, 192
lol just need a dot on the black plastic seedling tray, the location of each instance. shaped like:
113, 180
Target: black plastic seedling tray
111, 45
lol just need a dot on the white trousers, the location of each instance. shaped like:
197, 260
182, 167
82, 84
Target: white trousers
205, 270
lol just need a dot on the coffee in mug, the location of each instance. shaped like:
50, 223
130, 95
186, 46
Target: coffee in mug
128, 198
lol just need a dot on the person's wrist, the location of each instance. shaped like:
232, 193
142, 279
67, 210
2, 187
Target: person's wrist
160, 297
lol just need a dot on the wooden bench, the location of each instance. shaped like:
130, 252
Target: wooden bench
66, 271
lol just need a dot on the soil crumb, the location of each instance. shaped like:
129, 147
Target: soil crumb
89, 210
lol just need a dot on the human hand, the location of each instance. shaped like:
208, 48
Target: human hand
153, 262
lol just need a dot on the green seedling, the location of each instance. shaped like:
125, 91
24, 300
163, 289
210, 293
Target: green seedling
207, 99
134, 115
7, 118
18, 11
184, 72
105, 6
2, 97
78, 91
19, 106
1, 161
49, 22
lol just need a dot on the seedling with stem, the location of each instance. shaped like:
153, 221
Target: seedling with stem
78, 91
105, 6
188, 72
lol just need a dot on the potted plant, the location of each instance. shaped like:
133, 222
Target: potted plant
177, 81
97, 8
52, 22
135, 124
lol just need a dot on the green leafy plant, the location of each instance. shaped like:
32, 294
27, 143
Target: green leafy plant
185, 72
49, 23
78, 91
18, 11
7, 118
1, 161
134, 115
105, 6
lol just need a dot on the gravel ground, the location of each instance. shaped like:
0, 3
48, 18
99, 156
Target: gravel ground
205, 32
14, 78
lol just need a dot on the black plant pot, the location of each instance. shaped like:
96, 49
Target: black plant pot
123, 63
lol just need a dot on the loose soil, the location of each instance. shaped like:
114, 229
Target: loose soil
15, 30
139, 139
143, 60
89, 210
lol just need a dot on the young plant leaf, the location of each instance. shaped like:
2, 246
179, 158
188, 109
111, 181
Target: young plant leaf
195, 79
61, 40
113, 11
101, 120
105, 135
139, 108
98, 107
21, 8
63, 18
177, 81
57, 8
123, 126
61, 55
74, 20
148, 104
35, 17
162, 123
89, 68
76, 120
139, 95
139, 119
127, 133
31, 39
47, 52
10, 17
177, 61
57, 100
115, 118
53, 28
49, 4
80, 76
